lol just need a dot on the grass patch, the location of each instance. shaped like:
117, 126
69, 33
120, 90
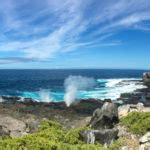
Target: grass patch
52, 136
137, 122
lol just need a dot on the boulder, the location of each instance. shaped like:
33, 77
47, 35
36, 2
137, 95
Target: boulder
146, 78
140, 106
123, 110
15, 127
145, 142
104, 136
105, 117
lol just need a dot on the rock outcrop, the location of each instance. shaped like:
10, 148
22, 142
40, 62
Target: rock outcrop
106, 136
102, 122
10, 99
146, 78
12, 127
123, 110
105, 117
145, 142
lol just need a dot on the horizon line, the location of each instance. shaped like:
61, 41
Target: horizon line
142, 69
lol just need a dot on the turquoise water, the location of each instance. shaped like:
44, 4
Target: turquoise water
48, 85
105, 88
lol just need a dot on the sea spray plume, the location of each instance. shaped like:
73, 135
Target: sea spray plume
73, 84
45, 95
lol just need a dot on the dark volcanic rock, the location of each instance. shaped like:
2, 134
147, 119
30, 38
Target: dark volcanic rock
106, 117
140, 95
106, 136
86, 106
146, 78
11, 99
74, 116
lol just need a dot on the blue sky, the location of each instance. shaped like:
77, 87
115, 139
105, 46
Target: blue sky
75, 34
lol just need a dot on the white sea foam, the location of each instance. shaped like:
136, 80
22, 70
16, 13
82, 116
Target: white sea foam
45, 95
76, 87
113, 82
114, 87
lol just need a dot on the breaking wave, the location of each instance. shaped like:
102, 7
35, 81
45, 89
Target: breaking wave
105, 89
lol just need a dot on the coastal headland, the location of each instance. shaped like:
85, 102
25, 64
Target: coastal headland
20, 117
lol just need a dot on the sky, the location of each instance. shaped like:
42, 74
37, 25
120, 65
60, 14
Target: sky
47, 34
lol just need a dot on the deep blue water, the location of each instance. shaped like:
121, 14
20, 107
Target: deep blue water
28, 83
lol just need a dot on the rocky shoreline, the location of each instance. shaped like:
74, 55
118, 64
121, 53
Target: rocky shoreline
19, 116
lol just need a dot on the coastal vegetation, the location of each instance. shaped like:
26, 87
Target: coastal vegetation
137, 122
52, 136
107, 124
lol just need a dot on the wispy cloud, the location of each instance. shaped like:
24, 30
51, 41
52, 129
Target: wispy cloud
40, 31
7, 60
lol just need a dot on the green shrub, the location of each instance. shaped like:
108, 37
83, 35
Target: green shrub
73, 136
52, 136
137, 122
117, 144
46, 124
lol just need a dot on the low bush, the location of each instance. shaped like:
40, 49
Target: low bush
52, 136
137, 122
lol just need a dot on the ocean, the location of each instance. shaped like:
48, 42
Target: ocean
50, 85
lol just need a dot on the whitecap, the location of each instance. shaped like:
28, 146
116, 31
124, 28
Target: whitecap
113, 88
